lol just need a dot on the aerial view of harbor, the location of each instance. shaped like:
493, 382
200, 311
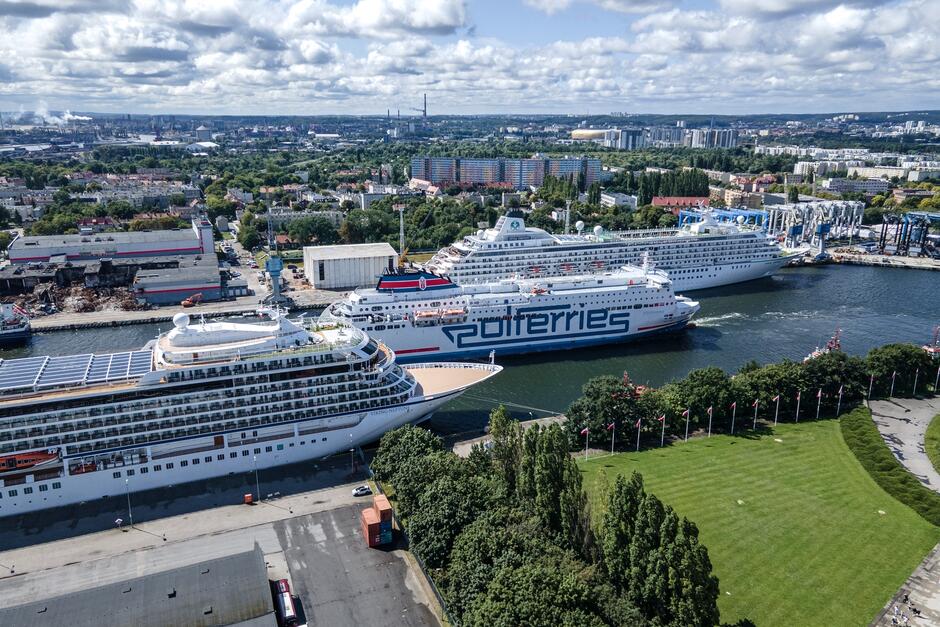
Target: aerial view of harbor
450, 313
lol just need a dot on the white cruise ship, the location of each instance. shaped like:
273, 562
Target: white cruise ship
203, 400
697, 256
426, 316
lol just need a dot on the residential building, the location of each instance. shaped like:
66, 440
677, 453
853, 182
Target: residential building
865, 186
519, 173
616, 199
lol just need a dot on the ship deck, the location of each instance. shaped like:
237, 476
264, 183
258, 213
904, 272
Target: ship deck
440, 378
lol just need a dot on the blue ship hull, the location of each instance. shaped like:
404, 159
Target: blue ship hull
15, 338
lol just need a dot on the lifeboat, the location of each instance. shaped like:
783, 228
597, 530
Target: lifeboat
22, 461
426, 318
451, 315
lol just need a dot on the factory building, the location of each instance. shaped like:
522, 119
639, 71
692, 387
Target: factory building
197, 240
348, 266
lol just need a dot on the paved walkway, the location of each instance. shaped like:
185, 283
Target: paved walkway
903, 423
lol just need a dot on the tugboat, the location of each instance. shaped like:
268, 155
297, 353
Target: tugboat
832, 345
14, 325
933, 348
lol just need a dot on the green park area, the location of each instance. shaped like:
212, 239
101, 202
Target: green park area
932, 442
797, 531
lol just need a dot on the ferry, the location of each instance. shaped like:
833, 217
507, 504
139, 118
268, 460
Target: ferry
14, 325
697, 256
422, 315
204, 400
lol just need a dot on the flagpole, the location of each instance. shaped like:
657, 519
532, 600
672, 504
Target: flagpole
818, 402
893, 375
936, 380
688, 413
871, 382
777, 411
638, 435
916, 375
709, 422
613, 437
755, 416
587, 434
839, 404
734, 412
797, 406
662, 439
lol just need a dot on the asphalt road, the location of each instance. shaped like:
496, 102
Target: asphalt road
903, 423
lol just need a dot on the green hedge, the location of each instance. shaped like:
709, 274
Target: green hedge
932, 442
863, 439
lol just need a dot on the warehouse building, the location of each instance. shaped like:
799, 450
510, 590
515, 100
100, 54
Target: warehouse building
197, 240
231, 590
169, 286
348, 266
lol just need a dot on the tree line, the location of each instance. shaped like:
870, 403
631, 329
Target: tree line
509, 536
645, 185
713, 399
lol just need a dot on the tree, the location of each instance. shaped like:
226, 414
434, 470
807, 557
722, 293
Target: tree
5, 240
525, 481
506, 437
574, 513
248, 237
551, 452
444, 509
604, 400
793, 194
312, 229
416, 473
398, 446
618, 527
901, 361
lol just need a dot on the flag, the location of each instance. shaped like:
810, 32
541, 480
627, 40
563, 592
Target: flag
819, 393
754, 404
638, 421
610, 426
734, 405
584, 431
797, 395
840, 389
662, 418
709, 411
685, 414
776, 398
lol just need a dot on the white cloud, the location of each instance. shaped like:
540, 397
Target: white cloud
621, 6
318, 56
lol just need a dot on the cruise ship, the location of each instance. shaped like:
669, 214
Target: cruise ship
426, 316
696, 256
204, 400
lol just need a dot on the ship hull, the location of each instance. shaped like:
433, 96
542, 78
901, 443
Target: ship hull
707, 277
274, 447
18, 337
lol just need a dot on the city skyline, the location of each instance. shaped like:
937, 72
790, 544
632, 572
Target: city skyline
307, 57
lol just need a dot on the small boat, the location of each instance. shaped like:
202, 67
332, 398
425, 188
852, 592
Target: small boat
21, 461
933, 348
834, 344
15, 329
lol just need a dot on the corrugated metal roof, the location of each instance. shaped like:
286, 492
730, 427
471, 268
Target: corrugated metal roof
349, 251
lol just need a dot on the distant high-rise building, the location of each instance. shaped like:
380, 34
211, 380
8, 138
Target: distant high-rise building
520, 173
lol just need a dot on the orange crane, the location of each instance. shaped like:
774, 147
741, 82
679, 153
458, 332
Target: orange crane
195, 299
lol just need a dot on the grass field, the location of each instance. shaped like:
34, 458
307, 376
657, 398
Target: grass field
792, 522
932, 442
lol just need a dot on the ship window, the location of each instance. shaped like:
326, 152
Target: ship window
195, 462
44, 488
116, 475
12, 493
220, 456
267, 449
232, 455
27, 490
257, 450
302, 442
130, 472
157, 468
169, 466
245, 453
183, 464
56, 485
323, 440
144, 470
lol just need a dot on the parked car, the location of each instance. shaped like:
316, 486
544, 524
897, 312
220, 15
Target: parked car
362, 490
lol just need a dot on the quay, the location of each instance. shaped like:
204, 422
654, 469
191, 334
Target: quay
886, 261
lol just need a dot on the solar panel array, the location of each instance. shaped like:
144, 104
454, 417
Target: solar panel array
73, 370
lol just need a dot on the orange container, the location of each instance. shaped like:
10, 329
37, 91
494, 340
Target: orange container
248, 499
370, 527
382, 507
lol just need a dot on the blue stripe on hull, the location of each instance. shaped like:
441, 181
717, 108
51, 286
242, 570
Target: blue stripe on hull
517, 349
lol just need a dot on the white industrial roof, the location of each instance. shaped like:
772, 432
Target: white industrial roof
349, 251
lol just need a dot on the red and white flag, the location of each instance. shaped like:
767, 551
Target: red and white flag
840, 389
776, 398
610, 426
662, 418
734, 405
755, 403
685, 414
709, 411
798, 395
819, 393
584, 431
638, 422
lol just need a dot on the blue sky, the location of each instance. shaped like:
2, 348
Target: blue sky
470, 56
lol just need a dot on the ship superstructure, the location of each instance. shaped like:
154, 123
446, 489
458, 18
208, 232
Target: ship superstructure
427, 316
203, 400
697, 256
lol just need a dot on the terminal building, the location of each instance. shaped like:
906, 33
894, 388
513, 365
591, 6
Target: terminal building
348, 266
197, 240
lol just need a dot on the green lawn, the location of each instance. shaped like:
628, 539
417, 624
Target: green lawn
932, 442
792, 527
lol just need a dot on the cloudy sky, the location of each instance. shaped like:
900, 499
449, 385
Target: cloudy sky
470, 56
